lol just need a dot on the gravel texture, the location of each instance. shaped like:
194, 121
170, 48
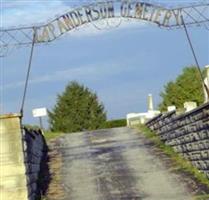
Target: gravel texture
114, 164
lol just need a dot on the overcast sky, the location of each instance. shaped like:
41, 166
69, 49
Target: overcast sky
122, 65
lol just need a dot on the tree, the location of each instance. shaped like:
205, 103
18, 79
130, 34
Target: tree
77, 109
187, 87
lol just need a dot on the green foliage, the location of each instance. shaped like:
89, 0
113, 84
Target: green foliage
33, 127
77, 109
202, 197
186, 87
115, 123
48, 135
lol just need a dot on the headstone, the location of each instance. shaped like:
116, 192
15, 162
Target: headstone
206, 81
171, 108
190, 106
133, 119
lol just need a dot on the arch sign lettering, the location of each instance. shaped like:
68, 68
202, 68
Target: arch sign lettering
100, 13
104, 10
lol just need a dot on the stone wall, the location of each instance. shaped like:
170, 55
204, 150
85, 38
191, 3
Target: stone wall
36, 159
187, 133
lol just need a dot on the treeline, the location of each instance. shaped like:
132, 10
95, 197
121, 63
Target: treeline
115, 123
78, 108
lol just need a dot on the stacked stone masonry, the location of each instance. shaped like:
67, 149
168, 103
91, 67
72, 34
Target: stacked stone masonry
35, 153
187, 133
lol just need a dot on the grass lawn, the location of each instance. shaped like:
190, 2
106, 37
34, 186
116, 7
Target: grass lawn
51, 135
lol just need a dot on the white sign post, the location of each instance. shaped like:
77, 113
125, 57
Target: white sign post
40, 112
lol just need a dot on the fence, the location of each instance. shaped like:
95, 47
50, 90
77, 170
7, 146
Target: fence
187, 133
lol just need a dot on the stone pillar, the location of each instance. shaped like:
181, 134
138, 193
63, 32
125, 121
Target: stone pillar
150, 103
13, 182
206, 81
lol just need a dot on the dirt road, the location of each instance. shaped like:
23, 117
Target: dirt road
114, 164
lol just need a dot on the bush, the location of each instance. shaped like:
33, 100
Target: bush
77, 109
115, 123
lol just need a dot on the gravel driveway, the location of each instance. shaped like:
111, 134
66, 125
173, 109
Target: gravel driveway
114, 164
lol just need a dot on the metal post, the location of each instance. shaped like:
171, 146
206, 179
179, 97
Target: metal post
195, 57
28, 73
41, 123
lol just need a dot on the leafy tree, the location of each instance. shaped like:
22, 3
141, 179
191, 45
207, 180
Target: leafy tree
187, 87
77, 109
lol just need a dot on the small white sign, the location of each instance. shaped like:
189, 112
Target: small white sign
39, 112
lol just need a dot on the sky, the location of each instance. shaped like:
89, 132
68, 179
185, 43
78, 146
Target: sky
122, 65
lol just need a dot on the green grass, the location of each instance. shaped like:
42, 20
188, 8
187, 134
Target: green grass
51, 135
114, 123
180, 163
201, 197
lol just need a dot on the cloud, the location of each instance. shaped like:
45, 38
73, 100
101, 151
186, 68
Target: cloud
18, 13
28, 13
91, 72
25, 12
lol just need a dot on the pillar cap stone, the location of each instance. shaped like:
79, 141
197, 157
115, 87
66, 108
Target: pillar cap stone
10, 115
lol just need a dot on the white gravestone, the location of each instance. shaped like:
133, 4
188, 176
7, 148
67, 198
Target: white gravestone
171, 108
206, 81
190, 106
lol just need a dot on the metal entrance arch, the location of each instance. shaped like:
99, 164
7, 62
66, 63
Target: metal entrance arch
105, 11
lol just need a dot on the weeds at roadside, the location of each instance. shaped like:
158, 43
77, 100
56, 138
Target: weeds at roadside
51, 135
180, 163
